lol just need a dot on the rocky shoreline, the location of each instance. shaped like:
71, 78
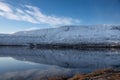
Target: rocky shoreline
104, 74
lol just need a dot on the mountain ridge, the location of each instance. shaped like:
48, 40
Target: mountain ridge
66, 34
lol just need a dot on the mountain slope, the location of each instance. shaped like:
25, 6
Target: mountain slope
66, 34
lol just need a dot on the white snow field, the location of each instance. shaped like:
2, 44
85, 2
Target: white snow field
65, 34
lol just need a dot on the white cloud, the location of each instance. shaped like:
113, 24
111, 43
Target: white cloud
32, 28
34, 15
5, 7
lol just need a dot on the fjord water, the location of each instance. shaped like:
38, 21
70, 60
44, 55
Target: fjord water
18, 59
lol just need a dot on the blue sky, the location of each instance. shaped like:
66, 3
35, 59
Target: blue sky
17, 15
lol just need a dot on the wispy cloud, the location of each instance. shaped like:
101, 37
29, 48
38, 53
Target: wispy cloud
33, 14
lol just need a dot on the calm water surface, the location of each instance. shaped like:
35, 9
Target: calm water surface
18, 59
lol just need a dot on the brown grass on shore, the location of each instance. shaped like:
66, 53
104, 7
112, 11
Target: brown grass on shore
105, 74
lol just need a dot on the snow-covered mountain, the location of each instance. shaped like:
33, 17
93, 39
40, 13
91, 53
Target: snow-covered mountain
66, 34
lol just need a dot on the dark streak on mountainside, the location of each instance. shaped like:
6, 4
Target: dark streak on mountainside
76, 46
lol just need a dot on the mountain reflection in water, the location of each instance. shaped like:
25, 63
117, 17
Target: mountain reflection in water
30, 63
86, 59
